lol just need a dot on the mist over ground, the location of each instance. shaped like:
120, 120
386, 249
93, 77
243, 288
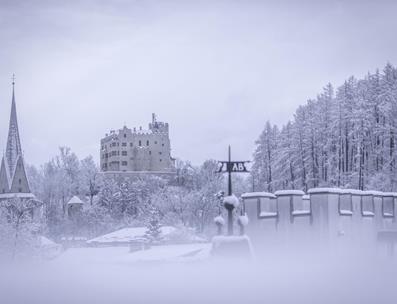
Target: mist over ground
300, 276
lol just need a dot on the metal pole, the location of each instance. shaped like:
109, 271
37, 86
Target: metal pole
230, 209
230, 172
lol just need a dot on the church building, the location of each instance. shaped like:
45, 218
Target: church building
13, 179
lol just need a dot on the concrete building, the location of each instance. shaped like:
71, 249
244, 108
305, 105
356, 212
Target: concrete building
13, 179
138, 150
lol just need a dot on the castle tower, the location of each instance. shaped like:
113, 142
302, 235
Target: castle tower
13, 178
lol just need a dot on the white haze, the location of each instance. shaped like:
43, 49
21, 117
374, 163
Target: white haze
299, 276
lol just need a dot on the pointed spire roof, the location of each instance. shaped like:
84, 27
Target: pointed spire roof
13, 149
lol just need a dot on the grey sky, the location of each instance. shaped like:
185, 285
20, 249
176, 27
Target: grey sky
215, 70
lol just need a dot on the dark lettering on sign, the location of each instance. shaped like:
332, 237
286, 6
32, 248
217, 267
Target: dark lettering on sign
233, 166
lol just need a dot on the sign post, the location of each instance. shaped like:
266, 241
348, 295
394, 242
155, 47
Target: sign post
230, 167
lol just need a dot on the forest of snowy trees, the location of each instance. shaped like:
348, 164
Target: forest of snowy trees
346, 137
186, 200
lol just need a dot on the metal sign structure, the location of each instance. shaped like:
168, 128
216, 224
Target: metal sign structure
230, 167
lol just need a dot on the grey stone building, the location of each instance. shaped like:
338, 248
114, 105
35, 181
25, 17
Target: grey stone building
13, 179
138, 150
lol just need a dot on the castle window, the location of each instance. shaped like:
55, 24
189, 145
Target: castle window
124, 163
20, 181
155, 142
147, 143
162, 145
4, 190
124, 153
161, 160
140, 143
20, 189
124, 144
125, 135
130, 144
160, 153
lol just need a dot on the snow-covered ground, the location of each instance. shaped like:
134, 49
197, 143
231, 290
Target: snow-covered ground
188, 274
122, 255
127, 235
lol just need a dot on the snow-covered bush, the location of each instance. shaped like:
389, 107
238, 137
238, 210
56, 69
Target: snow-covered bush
231, 200
243, 220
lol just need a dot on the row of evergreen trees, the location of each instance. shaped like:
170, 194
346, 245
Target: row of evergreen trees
343, 138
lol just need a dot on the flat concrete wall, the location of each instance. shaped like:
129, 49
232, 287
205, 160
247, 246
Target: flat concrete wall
341, 215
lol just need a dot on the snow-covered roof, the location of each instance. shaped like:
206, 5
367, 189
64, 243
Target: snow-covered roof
375, 193
126, 235
289, 192
393, 194
16, 195
257, 194
367, 193
75, 201
45, 242
353, 192
324, 190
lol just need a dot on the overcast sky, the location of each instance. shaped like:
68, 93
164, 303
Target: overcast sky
215, 70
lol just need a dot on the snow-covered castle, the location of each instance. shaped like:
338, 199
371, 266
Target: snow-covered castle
139, 150
13, 179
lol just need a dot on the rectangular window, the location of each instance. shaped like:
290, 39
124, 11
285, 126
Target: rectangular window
147, 143
124, 163
124, 153
140, 143
130, 144
345, 204
388, 206
124, 144
367, 206
267, 207
298, 206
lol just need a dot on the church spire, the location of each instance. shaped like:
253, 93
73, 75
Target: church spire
13, 149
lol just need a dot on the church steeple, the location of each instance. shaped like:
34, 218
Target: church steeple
13, 178
13, 149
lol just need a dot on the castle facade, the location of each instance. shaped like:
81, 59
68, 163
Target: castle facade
137, 150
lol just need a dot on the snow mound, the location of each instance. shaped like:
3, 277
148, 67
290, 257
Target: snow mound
231, 200
243, 220
219, 220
